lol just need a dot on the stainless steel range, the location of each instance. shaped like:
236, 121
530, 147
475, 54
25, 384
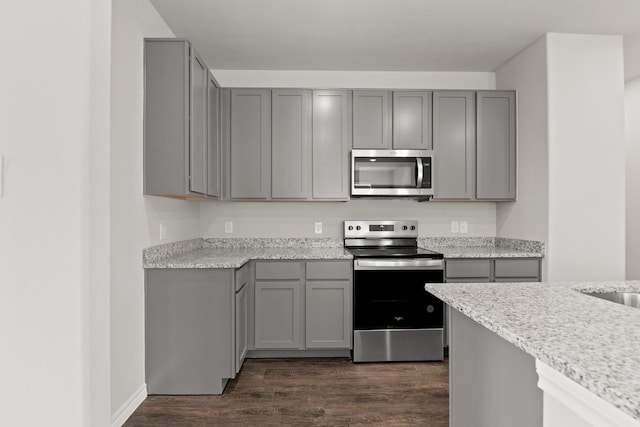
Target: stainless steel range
394, 319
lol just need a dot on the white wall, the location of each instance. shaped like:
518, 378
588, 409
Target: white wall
297, 219
355, 79
52, 127
632, 125
586, 157
528, 217
135, 219
254, 219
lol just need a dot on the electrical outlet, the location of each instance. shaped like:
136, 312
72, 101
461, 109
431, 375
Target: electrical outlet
228, 227
163, 231
318, 227
464, 227
455, 227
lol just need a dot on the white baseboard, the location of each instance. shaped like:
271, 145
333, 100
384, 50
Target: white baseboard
125, 411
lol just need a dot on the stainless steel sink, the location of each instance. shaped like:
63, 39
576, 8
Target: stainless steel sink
632, 299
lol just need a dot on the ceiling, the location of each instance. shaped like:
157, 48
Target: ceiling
389, 35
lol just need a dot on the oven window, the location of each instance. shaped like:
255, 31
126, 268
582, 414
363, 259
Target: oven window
384, 172
396, 300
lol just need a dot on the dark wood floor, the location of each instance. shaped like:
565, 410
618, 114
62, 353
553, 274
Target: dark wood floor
313, 392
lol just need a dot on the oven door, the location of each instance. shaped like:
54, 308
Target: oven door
394, 318
381, 173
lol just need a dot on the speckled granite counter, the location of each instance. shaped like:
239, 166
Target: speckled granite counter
483, 247
595, 343
234, 253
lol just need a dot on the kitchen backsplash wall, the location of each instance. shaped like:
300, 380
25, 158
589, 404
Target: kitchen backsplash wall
256, 219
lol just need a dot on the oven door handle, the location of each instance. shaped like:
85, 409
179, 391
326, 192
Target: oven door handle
398, 264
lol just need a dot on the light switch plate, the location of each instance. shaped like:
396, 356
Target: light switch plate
455, 226
163, 231
464, 227
228, 227
318, 227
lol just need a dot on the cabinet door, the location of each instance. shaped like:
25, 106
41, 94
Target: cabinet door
277, 315
242, 312
250, 143
496, 145
166, 117
454, 142
371, 119
331, 144
291, 144
412, 120
328, 314
213, 137
517, 270
198, 141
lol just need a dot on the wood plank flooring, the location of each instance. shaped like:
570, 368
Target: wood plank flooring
312, 392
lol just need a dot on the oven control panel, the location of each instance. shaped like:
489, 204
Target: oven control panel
381, 229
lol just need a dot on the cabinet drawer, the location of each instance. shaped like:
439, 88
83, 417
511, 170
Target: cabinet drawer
329, 270
469, 268
242, 276
517, 268
278, 270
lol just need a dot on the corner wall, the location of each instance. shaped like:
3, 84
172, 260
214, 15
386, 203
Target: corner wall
135, 219
586, 157
528, 217
632, 126
52, 111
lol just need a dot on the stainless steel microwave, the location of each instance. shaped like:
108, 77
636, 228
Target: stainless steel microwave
392, 173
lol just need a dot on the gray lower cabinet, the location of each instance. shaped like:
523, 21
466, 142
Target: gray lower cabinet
496, 145
250, 143
454, 144
303, 305
291, 144
412, 120
278, 304
190, 330
242, 316
331, 144
371, 119
493, 270
176, 120
328, 295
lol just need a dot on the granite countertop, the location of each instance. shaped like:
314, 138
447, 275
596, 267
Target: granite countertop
234, 252
594, 342
236, 258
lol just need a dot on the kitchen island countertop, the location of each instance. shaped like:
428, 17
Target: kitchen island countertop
594, 342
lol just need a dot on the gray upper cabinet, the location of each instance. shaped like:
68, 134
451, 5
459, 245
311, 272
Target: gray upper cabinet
412, 120
331, 144
496, 145
291, 144
213, 148
454, 144
199, 131
175, 120
250, 143
371, 119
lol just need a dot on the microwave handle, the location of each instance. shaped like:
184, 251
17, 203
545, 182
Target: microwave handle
419, 171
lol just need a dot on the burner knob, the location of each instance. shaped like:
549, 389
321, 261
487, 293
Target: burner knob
413, 227
404, 227
358, 227
430, 309
350, 227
